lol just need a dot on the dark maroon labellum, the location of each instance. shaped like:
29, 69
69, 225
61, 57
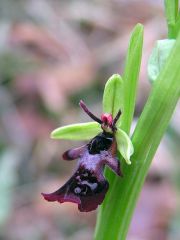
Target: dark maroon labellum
87, 187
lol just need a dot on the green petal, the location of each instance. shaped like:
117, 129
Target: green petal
79, 131
124, 145
112, 97
159, 57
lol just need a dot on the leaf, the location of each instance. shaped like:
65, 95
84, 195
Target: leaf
171, 10
159, 57
122, 196
177, 26
130, 77
78, 131
124, 145
112, 97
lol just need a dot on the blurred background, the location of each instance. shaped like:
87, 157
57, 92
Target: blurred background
52, 54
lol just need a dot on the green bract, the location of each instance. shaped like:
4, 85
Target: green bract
124, 145
130, 76
105, 227
79, 131
159, 57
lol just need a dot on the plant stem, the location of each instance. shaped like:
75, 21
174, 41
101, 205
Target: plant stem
117, 210
172, 10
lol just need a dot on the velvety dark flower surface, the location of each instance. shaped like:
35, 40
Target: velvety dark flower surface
87, 187
82, 188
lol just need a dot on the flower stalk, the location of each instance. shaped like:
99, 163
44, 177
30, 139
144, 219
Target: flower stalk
116, 213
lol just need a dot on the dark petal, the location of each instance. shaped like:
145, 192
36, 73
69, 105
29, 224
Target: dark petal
74, 153
83, 188
114, 164
86, 110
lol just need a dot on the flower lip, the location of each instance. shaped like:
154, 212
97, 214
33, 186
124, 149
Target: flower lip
87, 187
83, 188
56, 197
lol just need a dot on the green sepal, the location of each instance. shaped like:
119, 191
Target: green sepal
124, 145
112, 97
159, 57
78, 131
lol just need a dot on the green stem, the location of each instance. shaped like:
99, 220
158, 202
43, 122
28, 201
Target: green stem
116, 213
130, 78
172, 10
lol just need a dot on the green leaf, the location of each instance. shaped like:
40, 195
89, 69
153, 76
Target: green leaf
124, 145
116, 213
112, 97
177, 26
78, 131
131, 75
130, 78
171, 10
159, 57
